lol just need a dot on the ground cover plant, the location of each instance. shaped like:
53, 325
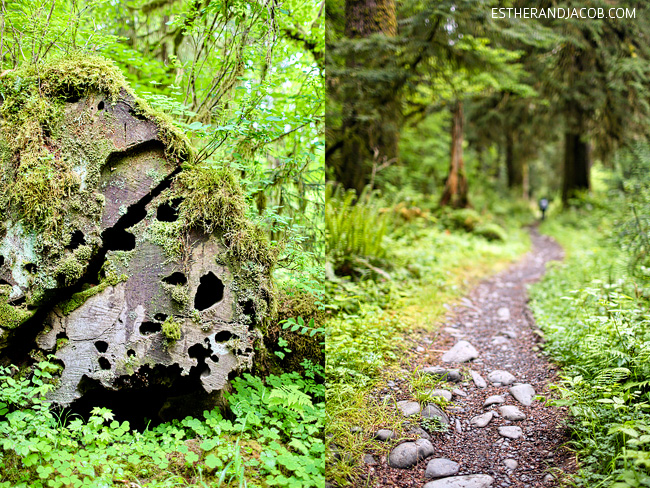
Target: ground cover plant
270, 436
593, 310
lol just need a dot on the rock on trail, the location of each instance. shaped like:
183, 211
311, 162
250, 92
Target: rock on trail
462, 352
471, 481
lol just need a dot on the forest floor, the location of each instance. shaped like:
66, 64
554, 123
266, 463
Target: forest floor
495, 330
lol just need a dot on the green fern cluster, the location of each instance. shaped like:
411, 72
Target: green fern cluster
356, 226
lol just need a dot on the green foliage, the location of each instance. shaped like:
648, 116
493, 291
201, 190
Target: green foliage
276, 425
355, 230
465, 219
594, 316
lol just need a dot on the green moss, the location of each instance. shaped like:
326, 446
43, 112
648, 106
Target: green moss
77, 75
78, 299
212, 198
51, 158
171, 330
10, 316
177, 145
168, 235
179, 293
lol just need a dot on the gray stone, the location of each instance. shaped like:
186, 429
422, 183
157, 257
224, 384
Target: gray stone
441, 393
462, 352
419, 432
510, 412
369, 459
498, 340
443, 373
408, 408
503, 314
511, 432
468, 481
356, 429
420, 349
509, 333
491, 400
459, 429
511, 464
502, 377
384, 435
409, 453
454, 375
459, 392
441, 467
432, 410
481, 421
523, 393
478, 379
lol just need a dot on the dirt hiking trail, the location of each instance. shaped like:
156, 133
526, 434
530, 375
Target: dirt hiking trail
499, 434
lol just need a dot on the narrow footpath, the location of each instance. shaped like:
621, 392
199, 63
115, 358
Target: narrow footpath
499, 433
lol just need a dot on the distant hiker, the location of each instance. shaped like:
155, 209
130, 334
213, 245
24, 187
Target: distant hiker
543, 205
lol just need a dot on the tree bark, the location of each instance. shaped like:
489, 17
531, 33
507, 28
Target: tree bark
577, 162
455, 192
514, 169
372, 114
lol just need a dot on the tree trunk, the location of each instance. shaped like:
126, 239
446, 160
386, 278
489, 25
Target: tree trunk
372, 114
577, 164
455, 193
514, 167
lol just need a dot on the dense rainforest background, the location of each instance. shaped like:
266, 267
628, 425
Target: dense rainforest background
244, 81
446, 125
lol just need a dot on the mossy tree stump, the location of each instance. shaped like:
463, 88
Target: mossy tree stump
119, 254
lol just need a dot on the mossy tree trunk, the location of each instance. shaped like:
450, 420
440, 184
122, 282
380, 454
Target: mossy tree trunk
577, 159
372, 110
455, 192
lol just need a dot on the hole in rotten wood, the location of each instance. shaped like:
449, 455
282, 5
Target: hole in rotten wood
76, 239
104, 363
168, 211
223, 336
101, 346
210, 291
177, 278
148, 328
118, 240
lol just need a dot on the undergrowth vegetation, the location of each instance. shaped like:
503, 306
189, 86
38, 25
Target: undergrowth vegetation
270, 437
594, 311
394, 268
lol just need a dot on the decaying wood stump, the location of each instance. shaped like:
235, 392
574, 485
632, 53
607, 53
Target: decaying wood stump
118, 254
